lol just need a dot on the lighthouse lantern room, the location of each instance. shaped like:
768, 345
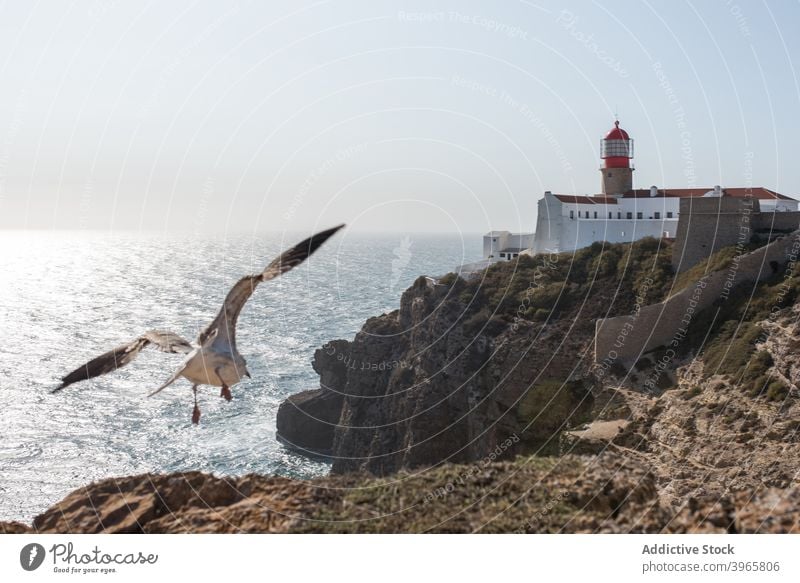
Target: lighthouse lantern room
616, 151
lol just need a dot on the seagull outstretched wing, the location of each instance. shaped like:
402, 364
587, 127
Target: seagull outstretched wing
122, 355
222, 330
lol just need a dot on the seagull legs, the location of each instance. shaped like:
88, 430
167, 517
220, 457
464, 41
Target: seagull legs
226, 391
196, 410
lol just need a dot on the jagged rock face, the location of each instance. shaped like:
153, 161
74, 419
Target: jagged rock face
463, 366
442, 381
306, 421
423, 387
708, 436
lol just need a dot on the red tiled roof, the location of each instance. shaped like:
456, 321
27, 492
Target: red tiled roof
586, 199
757, 192
600, 199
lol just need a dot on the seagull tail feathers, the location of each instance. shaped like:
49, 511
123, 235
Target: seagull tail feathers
169, 381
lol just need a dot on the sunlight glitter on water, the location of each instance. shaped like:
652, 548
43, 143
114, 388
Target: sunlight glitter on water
65, 297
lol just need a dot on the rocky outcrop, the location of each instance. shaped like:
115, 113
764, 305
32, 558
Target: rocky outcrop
464, 366
427, 384
306, 421
178, 503
444, 379
713, 433
609, 493
595, 438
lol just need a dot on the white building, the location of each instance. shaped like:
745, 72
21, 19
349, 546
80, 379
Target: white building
567, 222
502, 245
620, 214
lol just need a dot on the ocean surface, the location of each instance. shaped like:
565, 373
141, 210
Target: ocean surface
66, 297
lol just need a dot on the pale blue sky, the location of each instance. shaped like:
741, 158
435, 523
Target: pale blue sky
391, 116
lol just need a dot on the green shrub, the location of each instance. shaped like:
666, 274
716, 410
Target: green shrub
719, 260
761, 360
755, 387
732, 349
476, 322
549, 407
546, 296
466, 297
777, 391
538, 314
692, 393
449, 279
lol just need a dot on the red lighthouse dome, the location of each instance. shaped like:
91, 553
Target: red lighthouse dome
616, 149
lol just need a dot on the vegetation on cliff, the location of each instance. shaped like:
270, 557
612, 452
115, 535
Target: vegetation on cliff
548, 287
608, 493
727, 336
463, 411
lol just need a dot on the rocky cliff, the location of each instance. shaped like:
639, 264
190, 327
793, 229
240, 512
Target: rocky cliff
478, 407
463, 366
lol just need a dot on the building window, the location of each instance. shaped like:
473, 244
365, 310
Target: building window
619, 215
638, 215
609, 214
657, 215
623, 233
610, 175
503, 255
595, 214
669, 214
629, 215
572, 214
587, 214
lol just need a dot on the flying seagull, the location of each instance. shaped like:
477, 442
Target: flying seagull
213, 359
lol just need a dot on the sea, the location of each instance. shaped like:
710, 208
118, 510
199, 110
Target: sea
66, 297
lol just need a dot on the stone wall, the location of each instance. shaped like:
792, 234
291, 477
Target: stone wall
625, 338
780, 222
616, 180
707, 225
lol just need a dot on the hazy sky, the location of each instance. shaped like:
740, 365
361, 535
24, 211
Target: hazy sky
390, 116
